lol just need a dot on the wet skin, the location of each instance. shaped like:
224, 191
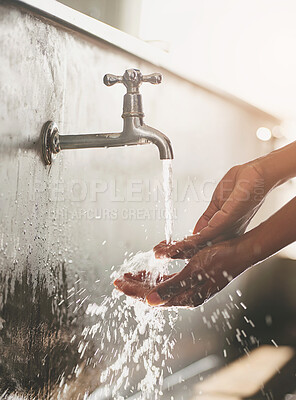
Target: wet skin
203, 276
138, 285
219, 250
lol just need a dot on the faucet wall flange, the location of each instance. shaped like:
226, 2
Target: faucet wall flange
50, 141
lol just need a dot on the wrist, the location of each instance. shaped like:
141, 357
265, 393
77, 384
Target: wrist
268, 167
248, 249
278, 166
260, 242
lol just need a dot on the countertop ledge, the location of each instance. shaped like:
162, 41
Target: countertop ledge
66, 16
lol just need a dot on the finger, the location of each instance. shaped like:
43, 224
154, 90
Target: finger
139, 276
145, 276
162, 250
183, 249
160, 245
225, 219
163, 278
218, 225
132, 288
169, 288
174, 251
138, 285
204, 219
134, 285
235, 207
171, 250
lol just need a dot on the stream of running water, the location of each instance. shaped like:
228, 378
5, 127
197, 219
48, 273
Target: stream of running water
135, 340
167, 173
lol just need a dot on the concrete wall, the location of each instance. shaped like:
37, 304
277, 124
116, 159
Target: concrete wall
50, 240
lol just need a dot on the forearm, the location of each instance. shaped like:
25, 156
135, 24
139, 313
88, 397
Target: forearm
272, 235
279, 165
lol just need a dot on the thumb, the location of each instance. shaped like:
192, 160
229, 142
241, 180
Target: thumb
169, 288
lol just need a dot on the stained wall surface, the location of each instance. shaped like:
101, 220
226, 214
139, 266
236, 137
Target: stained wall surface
65, 226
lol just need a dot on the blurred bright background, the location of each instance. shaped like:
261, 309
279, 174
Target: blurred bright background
245, 48
242, 48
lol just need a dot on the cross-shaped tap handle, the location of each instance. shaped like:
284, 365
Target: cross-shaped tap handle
132, 79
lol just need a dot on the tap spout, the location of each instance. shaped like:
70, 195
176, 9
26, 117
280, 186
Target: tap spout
148, 134
134, 132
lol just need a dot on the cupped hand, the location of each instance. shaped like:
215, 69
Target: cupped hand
235, 201
207, 272
138, 285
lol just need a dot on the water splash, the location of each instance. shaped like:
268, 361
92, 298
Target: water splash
155, 266
168, 198
136, 339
